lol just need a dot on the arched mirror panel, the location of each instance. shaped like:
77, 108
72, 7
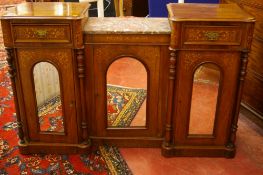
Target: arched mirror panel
48, 97
204, 99
126, 93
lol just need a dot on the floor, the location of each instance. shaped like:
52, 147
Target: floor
248, 159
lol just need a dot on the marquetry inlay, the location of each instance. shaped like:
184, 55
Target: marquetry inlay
217, 34
190, 59
250, 35
78, 36
42, 33
60, 55
193, 58
131, 38
135, 52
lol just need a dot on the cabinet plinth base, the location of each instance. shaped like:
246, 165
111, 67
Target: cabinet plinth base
53, 148
128, 142
198, 151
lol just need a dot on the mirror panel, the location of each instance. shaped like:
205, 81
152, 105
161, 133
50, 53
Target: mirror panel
126, 93
204, 99
47, 90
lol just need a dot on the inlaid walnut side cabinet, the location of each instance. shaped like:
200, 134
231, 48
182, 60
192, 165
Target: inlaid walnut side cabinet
43, 32
194, 73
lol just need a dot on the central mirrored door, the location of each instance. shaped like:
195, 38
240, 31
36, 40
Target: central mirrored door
126, 90
126, 93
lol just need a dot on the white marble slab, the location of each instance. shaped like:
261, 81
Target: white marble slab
127, 25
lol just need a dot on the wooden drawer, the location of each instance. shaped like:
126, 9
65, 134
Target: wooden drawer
46, 33
211, 35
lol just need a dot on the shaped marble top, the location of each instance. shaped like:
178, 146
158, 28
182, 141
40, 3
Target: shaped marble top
127, 25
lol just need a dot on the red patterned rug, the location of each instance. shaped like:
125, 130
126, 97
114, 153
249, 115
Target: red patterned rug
102, 160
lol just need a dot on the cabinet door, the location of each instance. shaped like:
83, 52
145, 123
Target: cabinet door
47, 82
204, 98
126, 88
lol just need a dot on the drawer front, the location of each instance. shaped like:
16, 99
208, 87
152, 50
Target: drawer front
48, 33
211, 35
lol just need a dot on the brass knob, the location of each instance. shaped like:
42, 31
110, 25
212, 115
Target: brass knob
41, 34
211, 36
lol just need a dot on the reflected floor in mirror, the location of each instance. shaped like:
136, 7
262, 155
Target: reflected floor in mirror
204, 99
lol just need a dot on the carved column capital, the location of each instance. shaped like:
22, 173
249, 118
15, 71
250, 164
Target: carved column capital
80, 62
172, 63
244, 61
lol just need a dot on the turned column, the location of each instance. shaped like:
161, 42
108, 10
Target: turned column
242, 74
81, 75
168, 125
12, 73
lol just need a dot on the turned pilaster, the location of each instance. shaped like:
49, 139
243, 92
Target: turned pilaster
81, 75
168, 125
12, 73
242, 74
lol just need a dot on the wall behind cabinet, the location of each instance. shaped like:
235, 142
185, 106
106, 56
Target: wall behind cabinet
253, 87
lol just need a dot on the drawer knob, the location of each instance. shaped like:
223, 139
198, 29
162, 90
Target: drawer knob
211, 36
41, 34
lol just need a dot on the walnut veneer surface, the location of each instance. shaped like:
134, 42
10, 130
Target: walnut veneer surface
47, 10
220, 35
82, 49
211, 12
43, 32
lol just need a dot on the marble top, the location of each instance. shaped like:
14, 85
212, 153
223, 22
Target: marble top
127, 25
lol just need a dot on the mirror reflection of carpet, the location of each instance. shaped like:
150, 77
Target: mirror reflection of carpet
123, 104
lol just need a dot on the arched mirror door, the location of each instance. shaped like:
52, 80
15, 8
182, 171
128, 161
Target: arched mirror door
126, 93
204, 99
48, 97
